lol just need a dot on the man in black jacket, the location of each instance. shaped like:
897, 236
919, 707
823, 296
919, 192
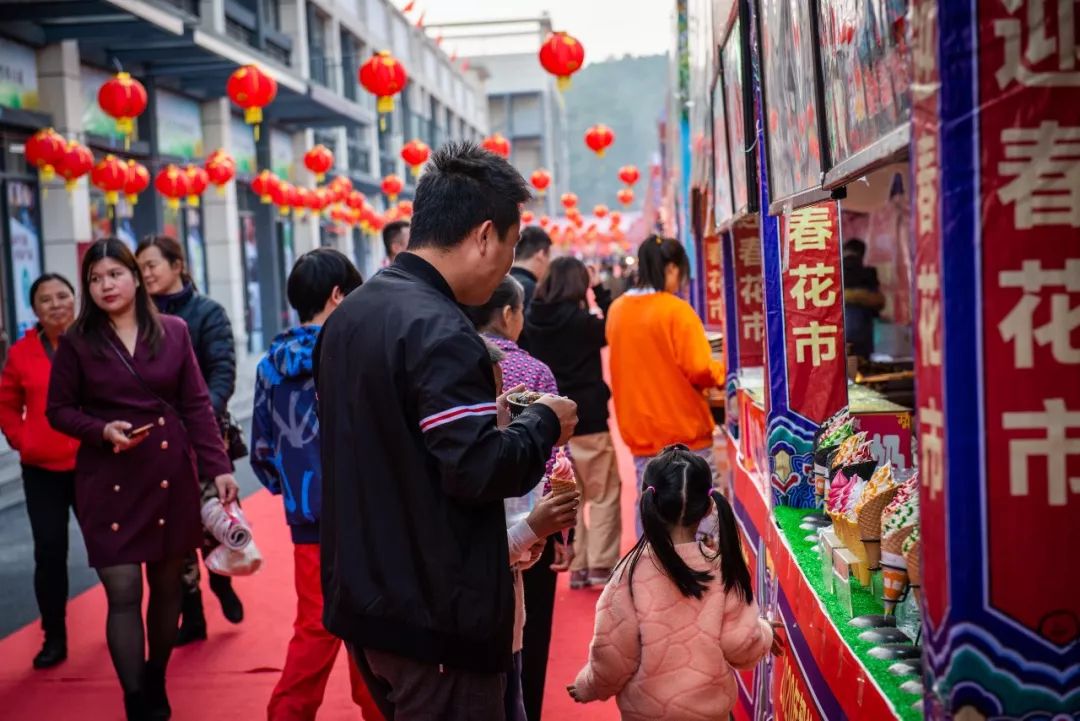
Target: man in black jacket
416, 573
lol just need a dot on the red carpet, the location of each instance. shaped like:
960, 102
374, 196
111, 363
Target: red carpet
230, 676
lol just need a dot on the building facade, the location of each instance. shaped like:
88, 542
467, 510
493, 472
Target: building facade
55, 55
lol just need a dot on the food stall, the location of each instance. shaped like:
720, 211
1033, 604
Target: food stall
877, 491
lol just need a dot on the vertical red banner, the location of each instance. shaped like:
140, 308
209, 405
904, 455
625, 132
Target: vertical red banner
792, 700
814, 311
1029, 143
749, 289
928, 306
714, 282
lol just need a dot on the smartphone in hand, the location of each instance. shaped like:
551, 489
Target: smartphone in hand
141, 431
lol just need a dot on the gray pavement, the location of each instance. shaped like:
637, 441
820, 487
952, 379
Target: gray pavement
17, 604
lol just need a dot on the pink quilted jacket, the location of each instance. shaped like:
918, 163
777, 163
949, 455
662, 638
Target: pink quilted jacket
666, 656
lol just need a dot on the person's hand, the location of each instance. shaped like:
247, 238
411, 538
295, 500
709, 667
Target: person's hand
778, 645
564, 555
535, 551
566, 410
115, 433
572, 690
502, 405
594, 276
227, 488
553, 513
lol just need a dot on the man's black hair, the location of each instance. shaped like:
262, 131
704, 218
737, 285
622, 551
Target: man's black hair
314, 277
463, 186
534, 239
391, 232
856, 246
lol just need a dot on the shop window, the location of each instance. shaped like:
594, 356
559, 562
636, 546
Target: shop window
359, 143
526, 115
352, 57
497, 114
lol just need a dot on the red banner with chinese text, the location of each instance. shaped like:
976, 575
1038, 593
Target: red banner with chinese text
928, 326
749, 288
792, 700
814, 311
714, 282
1029, 143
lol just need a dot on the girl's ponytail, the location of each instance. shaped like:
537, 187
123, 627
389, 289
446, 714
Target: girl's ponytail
733, 570
688, 581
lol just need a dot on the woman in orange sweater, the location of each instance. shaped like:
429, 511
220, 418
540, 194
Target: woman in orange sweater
48, 458
661, 362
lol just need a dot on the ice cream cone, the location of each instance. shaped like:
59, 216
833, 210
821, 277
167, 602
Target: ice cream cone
869, 518
560, 486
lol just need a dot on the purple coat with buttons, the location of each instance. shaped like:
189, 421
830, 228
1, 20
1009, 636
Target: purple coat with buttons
141, 505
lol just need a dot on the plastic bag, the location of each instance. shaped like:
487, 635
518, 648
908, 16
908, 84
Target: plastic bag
227, 562
227, 524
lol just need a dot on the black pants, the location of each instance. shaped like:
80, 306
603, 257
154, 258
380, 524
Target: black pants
536, 639
50, 495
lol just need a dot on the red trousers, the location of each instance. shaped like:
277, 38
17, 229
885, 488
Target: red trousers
312, 652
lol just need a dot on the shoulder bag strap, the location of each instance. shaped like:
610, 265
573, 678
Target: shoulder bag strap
139, 378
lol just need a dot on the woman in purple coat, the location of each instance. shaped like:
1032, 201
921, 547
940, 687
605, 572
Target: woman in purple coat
125, 382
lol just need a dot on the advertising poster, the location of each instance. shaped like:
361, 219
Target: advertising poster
179, 126
24, 233
791, 123
281, 154
18, 76
866, 66
242, 146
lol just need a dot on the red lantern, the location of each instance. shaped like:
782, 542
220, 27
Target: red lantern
391, 186
406, 208
319, 160
220, 168
300, 200
110, 175
384, 77
527, 217
625, 196
415, 154
263, 184
616, 219
569, 200
44, 150
599, 137
76, 162
355, 200
138, 180
124, 98
562, 56
172, 182
496, 143
340, 187
318, 200
251, 89
540, 180
198, 179
281, 195
544, 222
629, 174
600, 210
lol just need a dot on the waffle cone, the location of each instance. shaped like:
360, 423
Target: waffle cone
894, 542
559, 486
914, 563
869, 514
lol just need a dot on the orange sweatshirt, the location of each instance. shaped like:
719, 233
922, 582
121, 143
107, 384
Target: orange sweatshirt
661, 366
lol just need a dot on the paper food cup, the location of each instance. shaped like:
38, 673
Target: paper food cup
894, 576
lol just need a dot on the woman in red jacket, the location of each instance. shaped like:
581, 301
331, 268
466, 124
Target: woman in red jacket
48, 458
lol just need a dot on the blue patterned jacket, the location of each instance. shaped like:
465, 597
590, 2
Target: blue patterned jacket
285, 430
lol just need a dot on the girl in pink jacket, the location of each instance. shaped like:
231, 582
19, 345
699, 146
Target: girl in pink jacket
676, 619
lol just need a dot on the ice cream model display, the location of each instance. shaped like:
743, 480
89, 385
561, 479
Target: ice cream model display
562, 477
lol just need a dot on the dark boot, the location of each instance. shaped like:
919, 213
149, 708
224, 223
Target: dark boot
157, 701
135, 706
230, 602
192, 620
53, 651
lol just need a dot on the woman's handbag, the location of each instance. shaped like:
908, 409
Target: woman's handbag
233, 435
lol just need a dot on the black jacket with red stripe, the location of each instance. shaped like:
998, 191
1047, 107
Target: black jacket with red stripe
414, 554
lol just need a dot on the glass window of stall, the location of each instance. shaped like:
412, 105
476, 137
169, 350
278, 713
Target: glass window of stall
733, 107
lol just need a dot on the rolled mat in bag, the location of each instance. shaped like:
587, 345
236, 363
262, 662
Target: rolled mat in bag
227, 524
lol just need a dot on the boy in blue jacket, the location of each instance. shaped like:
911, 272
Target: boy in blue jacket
285, 457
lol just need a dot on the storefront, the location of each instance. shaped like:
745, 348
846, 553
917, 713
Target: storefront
865, 497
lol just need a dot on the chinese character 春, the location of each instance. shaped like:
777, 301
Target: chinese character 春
926, 175
812, 284
1020, 57
810, 228
1055, 447
819, 339
931, 447
929, 284
1044, 163
1019, 325
712, 252
749, 251
750, 289
753, 326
